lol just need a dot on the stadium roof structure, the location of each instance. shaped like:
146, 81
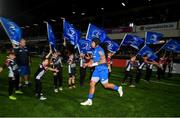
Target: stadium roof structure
104, 13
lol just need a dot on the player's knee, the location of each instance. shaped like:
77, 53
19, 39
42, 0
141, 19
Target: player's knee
106, 85
92, 84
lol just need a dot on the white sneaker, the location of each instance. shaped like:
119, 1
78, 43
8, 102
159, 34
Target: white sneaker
70, 87
60, 88
87, 103
120, 91
56, 90
132, 86
42, 98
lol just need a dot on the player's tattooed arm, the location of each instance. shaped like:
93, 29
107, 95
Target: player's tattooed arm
102, 58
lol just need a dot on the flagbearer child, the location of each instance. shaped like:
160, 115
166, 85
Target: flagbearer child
131, 68
71, 70
57, 64
43, 67
13, 76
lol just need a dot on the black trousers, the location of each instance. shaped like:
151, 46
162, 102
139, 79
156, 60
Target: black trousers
128, 75
38, 87
159, 73
12, 84
17, 79
148, 74
82, 75
58, 79
138, 75
164, 70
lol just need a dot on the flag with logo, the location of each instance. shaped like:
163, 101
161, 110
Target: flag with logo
13, 31
70, 33
147, 51
153, 37
95, 32
133, 41
172, 45
111, 45
84, 46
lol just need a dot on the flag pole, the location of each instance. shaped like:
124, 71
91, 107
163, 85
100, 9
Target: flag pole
140, 49
47, 33
78, 49
88, 30
64, 43
122, 40
145, 37
161, 47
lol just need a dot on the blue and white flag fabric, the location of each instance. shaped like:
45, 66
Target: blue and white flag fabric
84, 46
111, 45
133, 41
95, 32
70, 33
13, 31
51, 37
153, 37
147, 51
172, 45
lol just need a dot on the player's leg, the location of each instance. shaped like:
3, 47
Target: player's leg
91, 94
94, 80
104, 80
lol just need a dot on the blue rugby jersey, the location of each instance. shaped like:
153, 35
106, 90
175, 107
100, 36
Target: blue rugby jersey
96, 58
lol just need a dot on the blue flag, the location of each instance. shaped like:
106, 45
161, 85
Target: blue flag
70, 33
111, 45
84, 46
133, 41
51, 37
147, 51
95, 32
12, 29
153, 37
172, 45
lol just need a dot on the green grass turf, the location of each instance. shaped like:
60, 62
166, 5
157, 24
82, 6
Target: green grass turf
151, 99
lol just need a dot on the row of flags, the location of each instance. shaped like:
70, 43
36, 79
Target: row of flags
84, 44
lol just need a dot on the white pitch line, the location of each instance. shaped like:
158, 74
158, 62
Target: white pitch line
164, 83
169, 84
